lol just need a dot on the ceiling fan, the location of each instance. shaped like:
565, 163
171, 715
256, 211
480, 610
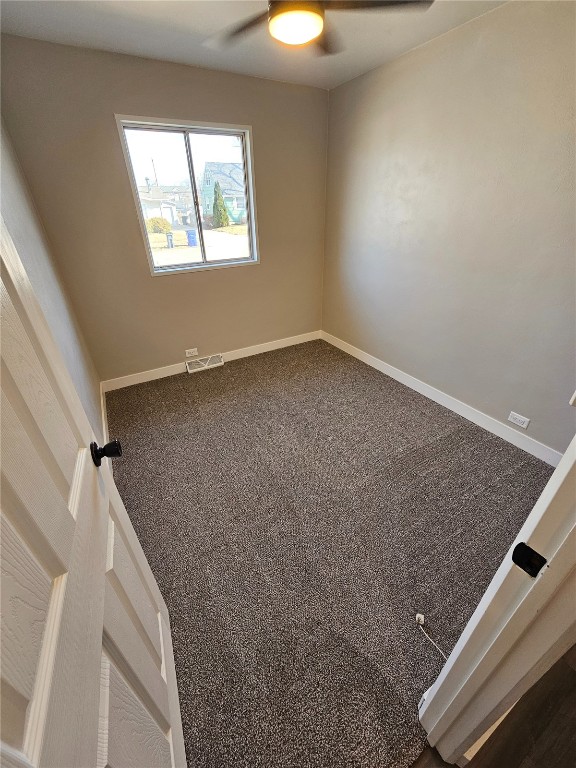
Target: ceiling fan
297, 22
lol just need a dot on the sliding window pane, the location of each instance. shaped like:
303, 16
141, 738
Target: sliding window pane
161, 172
218, 161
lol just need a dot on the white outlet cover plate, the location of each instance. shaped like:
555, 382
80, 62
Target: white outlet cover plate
192, 352
520, 421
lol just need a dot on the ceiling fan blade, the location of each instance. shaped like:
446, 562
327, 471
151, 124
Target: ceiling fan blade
366, 5
246, 26
328, 43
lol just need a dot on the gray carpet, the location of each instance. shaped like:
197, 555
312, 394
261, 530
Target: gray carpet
298, 508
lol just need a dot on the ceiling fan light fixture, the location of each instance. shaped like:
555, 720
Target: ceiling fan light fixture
295, 23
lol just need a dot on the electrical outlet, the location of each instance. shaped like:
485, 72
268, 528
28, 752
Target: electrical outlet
192, 352
520, 421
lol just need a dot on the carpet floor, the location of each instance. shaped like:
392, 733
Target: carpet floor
297, 509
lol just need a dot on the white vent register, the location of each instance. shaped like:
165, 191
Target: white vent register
202, 363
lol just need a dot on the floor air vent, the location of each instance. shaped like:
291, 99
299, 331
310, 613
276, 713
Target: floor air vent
201, 363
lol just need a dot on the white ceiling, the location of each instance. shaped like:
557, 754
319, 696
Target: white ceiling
187, 31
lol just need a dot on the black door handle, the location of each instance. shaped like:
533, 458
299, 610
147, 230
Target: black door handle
528, 559
111, 450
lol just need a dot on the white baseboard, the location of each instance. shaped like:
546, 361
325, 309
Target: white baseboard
104, 411
235, 354
140, 378
526, 443
268, 346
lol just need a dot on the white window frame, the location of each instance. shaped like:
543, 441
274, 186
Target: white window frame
152, 123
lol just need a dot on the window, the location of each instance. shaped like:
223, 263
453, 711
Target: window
194, 192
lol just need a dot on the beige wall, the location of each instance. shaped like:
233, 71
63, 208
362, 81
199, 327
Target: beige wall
450, 230
29, 238
59, 104
451, 215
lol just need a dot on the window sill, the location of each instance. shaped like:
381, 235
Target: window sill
158, 271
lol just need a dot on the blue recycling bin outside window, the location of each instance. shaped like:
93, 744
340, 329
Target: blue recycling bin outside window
192, 237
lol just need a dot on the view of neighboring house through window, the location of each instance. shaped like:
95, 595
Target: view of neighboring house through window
194, 190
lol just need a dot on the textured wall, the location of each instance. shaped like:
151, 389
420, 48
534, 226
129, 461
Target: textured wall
29, 238
451, 215
59, 104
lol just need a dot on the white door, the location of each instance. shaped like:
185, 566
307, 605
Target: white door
87, 669
520, 628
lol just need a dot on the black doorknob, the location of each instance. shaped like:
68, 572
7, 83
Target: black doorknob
110, 450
